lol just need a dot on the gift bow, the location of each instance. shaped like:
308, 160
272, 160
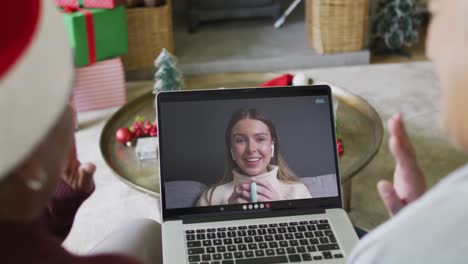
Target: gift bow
69, 9
89, 21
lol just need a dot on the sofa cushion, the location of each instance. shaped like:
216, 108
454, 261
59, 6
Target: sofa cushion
182, 194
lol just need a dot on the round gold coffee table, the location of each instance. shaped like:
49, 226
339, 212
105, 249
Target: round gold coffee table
358, 123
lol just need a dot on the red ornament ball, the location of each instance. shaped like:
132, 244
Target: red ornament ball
123, 135
339, 146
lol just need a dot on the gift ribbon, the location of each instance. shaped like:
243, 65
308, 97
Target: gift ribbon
89, 22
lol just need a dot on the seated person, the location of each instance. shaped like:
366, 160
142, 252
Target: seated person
428, 227
253, 155
42, 183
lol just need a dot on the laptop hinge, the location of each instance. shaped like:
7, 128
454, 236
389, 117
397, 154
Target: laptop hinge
193, 219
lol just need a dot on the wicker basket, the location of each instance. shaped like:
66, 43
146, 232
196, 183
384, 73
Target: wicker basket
336, 25
149, 31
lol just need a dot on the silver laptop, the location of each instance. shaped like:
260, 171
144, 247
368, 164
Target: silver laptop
251, 176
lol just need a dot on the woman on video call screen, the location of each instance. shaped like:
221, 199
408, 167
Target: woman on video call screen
255, 170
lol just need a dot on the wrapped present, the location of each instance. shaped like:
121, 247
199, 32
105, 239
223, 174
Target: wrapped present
99, 86
89, 3
96, 34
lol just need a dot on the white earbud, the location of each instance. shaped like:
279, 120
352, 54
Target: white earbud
232, 155
272, 150
37, 184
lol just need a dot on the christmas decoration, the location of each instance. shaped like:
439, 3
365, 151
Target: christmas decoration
99, 86
396, 25
300, 79
147, 148
339, 138
123, 135
168, 77
283, 80
339, 144
140, 128
96, 34
89, 3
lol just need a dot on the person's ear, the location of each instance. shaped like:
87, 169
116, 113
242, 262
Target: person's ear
272, 150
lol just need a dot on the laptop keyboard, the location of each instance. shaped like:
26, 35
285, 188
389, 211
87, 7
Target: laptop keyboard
261, 244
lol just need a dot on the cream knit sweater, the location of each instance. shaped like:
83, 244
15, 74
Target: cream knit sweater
287, 191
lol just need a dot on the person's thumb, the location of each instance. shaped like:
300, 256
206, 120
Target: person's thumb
87, 169
389, 197
86, 172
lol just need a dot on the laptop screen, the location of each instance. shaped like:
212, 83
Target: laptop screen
247, 150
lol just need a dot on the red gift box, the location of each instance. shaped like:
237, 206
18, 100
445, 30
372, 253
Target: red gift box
98, 86
89, 3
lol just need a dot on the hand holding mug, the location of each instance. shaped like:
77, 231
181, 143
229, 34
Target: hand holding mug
240, 194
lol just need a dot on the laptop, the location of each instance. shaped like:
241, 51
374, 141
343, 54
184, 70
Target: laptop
251, 175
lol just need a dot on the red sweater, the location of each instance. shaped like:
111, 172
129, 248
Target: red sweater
40, 242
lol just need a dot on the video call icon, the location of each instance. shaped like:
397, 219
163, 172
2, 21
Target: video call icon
319, 101
255, 206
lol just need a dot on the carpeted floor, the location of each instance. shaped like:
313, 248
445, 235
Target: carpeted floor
409, 88
249, 45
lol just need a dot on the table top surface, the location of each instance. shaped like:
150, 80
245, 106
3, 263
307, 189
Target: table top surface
358, 123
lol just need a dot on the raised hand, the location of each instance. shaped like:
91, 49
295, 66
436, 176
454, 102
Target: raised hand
79, 176
408, 181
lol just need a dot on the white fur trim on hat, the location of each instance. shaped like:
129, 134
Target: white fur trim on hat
34, 93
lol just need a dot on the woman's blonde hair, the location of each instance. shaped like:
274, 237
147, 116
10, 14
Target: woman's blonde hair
284, 172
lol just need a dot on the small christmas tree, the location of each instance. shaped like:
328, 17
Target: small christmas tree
168, 77
396, 24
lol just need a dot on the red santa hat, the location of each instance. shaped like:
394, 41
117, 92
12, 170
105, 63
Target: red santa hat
36, 71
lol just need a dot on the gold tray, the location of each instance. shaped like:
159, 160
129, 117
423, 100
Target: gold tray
358, 123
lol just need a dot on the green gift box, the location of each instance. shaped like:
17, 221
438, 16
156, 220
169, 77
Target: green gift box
96, 34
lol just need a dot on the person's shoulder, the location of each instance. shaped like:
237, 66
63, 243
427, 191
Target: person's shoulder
294, 184
218, 194
294, 190
457, 177
222, 191
222, 187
